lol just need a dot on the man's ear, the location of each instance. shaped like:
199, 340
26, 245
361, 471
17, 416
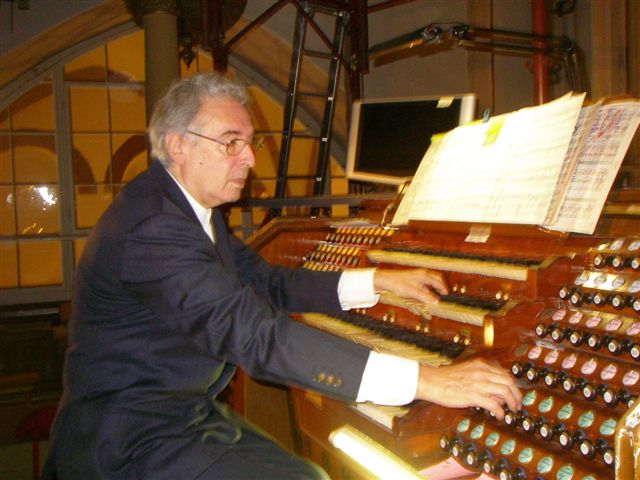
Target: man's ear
174, 143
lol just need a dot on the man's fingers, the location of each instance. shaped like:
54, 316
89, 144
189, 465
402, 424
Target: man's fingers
478, 383
502, 383
506, 396
491, 405
417, 283
436, 282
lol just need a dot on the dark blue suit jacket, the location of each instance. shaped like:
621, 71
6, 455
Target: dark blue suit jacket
161, 316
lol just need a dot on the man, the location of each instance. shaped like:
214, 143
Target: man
165, 307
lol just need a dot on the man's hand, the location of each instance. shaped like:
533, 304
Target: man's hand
415, 283
475, 383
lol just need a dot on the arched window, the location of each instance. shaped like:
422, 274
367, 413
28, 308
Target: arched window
68, 143
75, 134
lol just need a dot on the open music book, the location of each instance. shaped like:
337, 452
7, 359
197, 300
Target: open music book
550, 165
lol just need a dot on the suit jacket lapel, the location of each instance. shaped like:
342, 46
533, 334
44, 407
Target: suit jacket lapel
171, 189
173, 193
222, 240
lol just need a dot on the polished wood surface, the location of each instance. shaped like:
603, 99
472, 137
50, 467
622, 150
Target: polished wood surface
532, 300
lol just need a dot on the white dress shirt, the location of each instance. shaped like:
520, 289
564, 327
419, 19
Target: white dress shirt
387, 379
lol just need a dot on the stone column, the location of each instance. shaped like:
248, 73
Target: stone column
159, 18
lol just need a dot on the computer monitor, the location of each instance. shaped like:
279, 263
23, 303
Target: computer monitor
389, 136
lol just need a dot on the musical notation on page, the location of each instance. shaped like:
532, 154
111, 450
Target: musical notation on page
477, 167
550, 165
606, 132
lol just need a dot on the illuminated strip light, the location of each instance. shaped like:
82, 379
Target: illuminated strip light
371, 455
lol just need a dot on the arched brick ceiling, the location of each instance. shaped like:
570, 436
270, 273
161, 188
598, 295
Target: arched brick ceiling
261, 55
77, 29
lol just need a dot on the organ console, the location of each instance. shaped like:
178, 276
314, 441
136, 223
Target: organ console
560, 311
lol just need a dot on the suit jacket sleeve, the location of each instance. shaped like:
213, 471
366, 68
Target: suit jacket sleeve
292, 290
171, 267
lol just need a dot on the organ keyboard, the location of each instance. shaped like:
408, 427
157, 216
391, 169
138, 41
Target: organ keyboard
562, 312
508, 268
385, 338
463, 309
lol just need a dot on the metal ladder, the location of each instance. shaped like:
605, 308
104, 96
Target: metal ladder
305, 12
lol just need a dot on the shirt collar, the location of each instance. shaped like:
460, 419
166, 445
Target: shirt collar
203, 214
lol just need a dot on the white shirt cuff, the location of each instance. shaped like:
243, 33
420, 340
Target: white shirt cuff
388, 380
355, 288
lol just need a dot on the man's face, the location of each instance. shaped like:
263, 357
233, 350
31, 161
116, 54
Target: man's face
203, 166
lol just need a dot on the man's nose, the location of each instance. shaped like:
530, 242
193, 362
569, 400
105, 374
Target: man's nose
248, 156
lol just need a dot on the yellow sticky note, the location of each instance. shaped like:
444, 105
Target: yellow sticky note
493, 131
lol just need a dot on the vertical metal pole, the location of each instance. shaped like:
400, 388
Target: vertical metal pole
216, 37
332, 89
291, 103
359, 28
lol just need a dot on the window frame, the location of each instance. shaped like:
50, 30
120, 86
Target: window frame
53, 67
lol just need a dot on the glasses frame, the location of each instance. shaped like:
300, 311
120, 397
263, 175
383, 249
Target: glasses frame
256, 143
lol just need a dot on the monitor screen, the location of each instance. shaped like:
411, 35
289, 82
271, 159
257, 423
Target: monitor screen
389, 137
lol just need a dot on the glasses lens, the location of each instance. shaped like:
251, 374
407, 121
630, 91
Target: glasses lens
258, 143
235, 146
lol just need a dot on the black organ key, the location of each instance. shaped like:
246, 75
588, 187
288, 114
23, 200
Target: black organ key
386, 330
465, 255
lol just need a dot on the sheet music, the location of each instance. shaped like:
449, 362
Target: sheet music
403, 213
578, 138
502, 171
600, 157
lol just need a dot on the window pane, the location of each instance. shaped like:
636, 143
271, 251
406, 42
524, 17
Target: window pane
88, 109
33, 111
7, 211
299, 187
4, 120
258, 214
303, 148
40, 262
136, 166
78, 246
34, 158
92, 178
268, 158
88, 67
91, 202
6, 166
266, 113
8, 265
234, 217
190, 71
129, 157
91, 159
127, 109
205, 61
37, 209
339, 186
262, 188
126, 58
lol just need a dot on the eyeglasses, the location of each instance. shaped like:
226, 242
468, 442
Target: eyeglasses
235, 146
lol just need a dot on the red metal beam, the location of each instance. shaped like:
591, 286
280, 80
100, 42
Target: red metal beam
540, 64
